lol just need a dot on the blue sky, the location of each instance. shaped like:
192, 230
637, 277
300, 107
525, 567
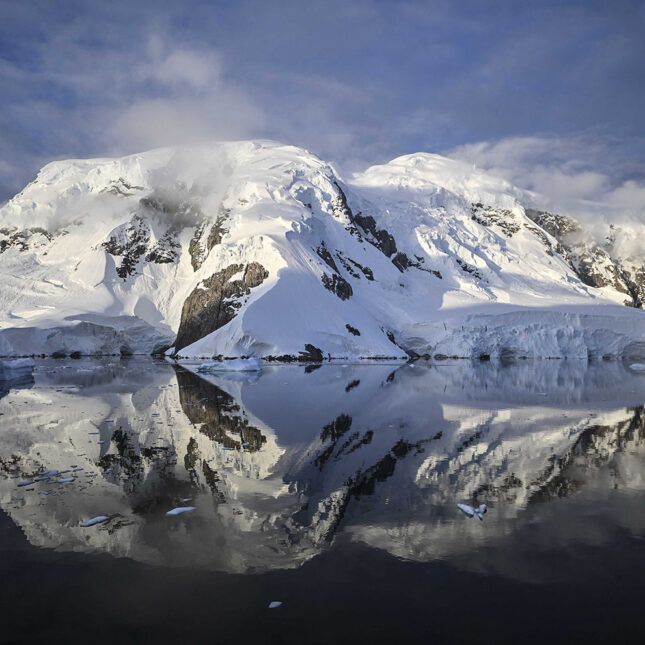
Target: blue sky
548, 94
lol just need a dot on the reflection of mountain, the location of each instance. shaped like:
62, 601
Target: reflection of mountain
279, 467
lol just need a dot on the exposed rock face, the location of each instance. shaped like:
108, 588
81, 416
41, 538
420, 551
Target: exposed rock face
326, 257
500, 217
215, 301
195, 249
311, 354
198, 248
129, 242
363, 226
468, 268
217, 230
166, 250
556, 225
22, 240
402, 262
338, 285
123, 188
595, 264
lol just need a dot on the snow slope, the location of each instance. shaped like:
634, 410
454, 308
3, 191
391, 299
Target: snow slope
260, 249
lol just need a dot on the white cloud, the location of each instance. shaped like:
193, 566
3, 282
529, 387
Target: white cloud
576, 175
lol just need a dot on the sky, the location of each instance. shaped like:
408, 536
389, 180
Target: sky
550, 95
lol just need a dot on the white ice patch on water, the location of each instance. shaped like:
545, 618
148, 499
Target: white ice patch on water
470, 511
180, 510
99, 519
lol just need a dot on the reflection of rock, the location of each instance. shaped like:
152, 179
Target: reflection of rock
217, 412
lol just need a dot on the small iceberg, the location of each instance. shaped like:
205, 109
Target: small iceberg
235, 365
471, 511
180, 510
274, 604
99, 519
637, 367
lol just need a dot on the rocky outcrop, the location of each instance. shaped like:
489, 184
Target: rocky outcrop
337, 285
502, 218
215, 301
23, 240
129, 242
597, 265
198, 249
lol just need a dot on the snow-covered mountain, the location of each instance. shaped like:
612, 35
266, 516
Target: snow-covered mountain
256, 248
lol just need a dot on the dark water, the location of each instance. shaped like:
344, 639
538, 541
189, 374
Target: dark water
330, 489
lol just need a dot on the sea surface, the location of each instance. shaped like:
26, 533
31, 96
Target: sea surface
331, 489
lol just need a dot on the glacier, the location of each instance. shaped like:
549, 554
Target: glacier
256, 249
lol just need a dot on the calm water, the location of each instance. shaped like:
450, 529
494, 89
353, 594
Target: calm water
331, 489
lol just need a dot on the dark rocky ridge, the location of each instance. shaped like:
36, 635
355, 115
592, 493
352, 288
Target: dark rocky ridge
216, 300
595, 264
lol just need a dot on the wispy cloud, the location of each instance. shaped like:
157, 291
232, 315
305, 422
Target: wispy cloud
577, 174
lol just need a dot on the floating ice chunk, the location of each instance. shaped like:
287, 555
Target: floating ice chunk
180, 509
99, 519
466, 509
479, 512
27, 482
65, 480
235, 365
471, 511
275, 604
